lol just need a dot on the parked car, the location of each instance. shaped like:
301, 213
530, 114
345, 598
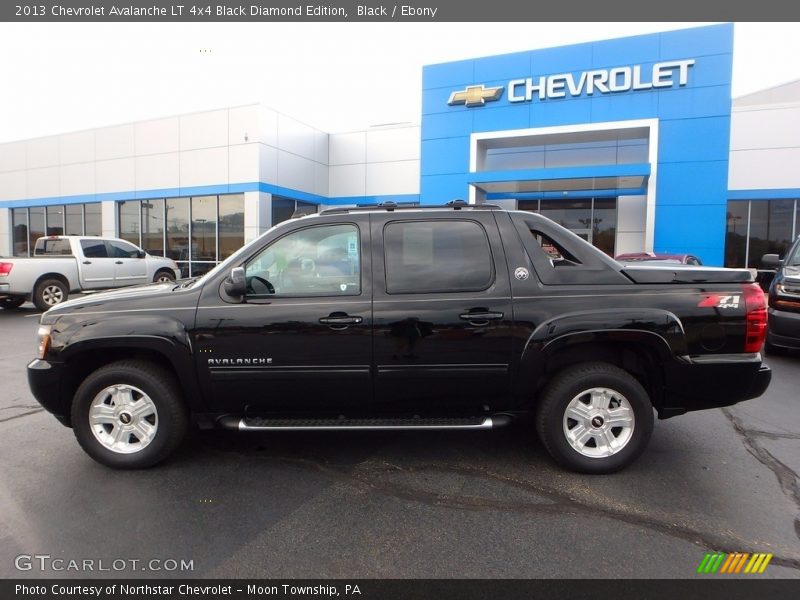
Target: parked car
656, 258
783, 323
62, 265
441, 318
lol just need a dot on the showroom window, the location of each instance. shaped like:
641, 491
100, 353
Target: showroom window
593, 219
571, 149
284, 209
758, 227
196, 232
29, 224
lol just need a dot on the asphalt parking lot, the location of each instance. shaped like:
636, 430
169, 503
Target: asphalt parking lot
405, 504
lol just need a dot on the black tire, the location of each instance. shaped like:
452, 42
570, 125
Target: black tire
11, 303
569, 384
159, 386
164, 274
46, 291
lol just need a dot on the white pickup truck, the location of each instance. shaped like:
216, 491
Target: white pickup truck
65, 264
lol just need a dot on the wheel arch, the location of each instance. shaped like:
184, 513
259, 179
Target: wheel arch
640, 353
53, 275
85, 357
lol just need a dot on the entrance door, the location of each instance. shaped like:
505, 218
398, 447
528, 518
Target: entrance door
593, 219
302, 339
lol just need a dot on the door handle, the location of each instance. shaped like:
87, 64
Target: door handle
480, 318
339, 321
87, 262
119, 262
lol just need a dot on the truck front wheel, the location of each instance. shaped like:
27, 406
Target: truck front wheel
594, 418
49, 292
129, 415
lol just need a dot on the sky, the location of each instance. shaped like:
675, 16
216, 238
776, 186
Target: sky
57, 78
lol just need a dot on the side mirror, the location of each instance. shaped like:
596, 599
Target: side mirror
771, 261
235, 284
141, 254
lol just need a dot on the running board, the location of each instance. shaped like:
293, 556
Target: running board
366, 424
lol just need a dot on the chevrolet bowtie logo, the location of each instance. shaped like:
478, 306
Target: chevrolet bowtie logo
475, 95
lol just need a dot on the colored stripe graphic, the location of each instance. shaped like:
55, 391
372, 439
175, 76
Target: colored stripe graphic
735, 562
727, 564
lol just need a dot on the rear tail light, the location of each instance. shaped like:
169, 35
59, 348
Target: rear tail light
756, 315
5, 268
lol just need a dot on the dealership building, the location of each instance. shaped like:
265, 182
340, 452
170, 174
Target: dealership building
632, 143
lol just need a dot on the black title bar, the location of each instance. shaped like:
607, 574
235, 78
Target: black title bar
413, 10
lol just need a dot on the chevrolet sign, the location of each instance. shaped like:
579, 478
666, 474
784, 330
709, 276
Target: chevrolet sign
604, 81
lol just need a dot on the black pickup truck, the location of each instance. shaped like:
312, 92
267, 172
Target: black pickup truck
449, 317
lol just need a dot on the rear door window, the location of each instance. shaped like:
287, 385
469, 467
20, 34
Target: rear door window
436, 256
94, 248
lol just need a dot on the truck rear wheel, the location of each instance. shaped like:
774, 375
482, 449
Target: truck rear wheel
49, 292
9, 303
163, 276
594, 418
129, 415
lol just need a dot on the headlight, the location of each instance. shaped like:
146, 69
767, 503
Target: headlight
784, 290
43, 340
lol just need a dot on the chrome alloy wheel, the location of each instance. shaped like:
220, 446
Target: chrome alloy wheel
164, 278
52, 295
123, 419
598, 422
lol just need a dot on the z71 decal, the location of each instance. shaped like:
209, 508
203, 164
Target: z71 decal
720, 301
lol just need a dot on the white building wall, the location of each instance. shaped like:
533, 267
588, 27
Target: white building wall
765, 147
375, 162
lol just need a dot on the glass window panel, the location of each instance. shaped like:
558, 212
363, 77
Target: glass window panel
282, 209
576, 214
759, 231
55, 220
204, 229
736, 233
580, 156
177, 221
73, 219
770, 229
632, 154
94, 249
604, 224
430, 256
19, 220
153, 227
231, 224
122, 250
92, 219
129, 220
529, 205
504, 159
36, 224
317, 261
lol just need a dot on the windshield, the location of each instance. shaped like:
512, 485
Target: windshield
793, 258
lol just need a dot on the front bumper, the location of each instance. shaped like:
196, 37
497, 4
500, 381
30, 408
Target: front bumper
713, 381
783, 328
44, 379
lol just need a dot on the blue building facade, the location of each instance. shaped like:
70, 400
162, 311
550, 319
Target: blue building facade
595, 124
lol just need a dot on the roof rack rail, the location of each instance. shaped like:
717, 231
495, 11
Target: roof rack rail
393, 206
